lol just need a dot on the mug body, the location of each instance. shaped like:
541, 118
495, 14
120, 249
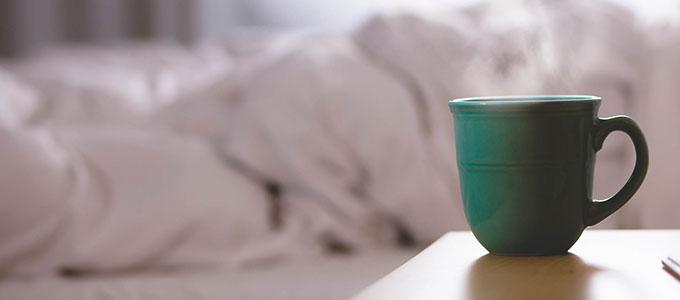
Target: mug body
526, 169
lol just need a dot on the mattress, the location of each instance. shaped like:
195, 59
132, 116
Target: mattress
337, 277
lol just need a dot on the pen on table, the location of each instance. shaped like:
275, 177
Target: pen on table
672, 266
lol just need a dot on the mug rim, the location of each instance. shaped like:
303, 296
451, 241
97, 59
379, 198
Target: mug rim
524, 100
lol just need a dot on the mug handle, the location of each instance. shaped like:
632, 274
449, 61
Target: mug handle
598, 210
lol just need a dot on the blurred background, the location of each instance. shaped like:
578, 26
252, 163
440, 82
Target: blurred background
35, 23
205, 147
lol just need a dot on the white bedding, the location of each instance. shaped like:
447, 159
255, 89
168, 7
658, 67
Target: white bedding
317, 278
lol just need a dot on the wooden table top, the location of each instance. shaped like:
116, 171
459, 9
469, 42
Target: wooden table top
604, 264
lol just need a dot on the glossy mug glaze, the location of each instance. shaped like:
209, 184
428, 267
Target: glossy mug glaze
526, 169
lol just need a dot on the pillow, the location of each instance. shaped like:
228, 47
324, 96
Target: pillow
117, 85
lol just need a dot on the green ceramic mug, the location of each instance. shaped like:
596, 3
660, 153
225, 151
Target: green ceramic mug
526, 169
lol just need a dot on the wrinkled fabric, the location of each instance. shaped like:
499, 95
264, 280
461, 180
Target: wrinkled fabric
363, 141
120, 200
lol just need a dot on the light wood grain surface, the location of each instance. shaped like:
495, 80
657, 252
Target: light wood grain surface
604, 264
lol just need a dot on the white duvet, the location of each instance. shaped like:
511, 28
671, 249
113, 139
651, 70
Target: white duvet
153, 157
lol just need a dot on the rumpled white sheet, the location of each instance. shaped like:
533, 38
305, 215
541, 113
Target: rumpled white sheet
353, 129
117, 200
363, 144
